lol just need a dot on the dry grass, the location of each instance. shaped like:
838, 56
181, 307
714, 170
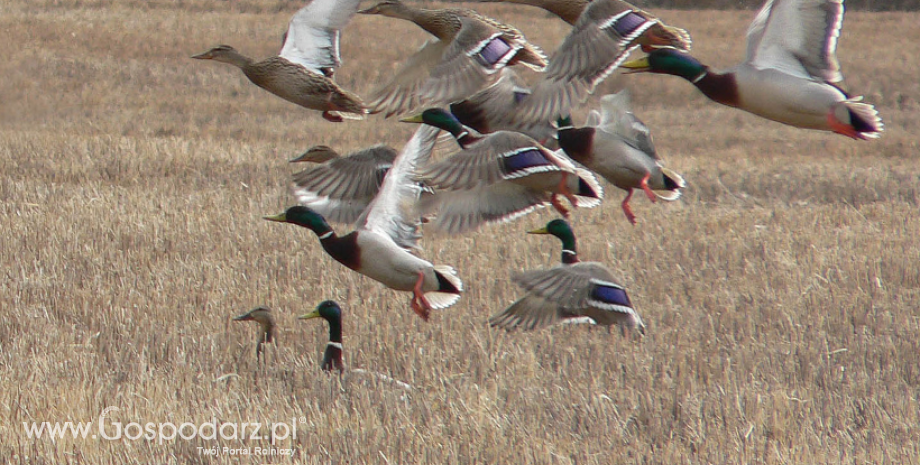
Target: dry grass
782, 291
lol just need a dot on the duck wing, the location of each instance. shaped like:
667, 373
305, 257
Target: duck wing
798, 37
341, 189
312, 38
565, 292
616, 120
393, 211
599, 41
402, 92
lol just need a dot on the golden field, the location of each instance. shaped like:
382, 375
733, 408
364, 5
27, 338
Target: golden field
782, 292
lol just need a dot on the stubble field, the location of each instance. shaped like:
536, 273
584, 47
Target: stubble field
781, 292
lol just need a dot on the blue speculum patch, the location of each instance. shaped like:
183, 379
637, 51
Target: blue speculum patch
628, 24
524, 160
611, 295
494, 51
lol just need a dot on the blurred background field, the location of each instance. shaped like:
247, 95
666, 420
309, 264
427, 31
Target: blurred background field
782, 292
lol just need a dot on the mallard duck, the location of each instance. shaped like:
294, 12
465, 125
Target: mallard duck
604, 32
302, 72
469, 51
618, 146
262, 316
791, 73
341, 188
387, 232
498, 177
568, 292
332, 313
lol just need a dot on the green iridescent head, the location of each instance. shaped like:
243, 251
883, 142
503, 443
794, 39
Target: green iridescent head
439, 118
302, 216
667, 60
327, 310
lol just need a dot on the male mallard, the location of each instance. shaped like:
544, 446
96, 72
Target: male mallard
568, 292
791, 73
341, 188
302, 73
387, 231
332, 313
618, 146
498, 177
262, 316
603, 36
469, 51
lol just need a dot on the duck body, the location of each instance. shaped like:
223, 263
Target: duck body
466, 56
616, 145
386, 234
574, 291
498, 177
790, 75
302, 72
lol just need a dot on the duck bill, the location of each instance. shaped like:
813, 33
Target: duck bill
203, 56
245, 317
636, 66
308, 316
368, 11
413, 119
280, 218
539, 231
304, 157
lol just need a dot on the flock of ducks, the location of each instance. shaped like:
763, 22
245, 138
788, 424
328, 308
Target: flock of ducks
518, 149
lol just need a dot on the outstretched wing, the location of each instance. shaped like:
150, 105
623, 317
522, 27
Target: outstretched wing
312, 38
798, 37
393, 212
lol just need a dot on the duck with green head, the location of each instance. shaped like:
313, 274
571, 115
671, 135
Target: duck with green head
498, 177
302, 72
469, 51
574, 291
618, 146
791, 73
332, 313
387, 234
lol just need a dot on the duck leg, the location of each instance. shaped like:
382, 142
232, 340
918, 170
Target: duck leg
563, 189
648, 190
420, 304
628, 211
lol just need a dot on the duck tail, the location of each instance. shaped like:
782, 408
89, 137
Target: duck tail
864, 119
449, 288
673, 183
589, 193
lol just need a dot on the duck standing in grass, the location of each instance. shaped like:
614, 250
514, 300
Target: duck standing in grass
791, 73
469, 51
574, 291
332, 313
341, 188
262, 316
387, 233
498, 177
302, 72
618, 146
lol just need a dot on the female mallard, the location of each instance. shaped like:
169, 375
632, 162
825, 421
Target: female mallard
791, 73
387, 231
341, 188
469, 51
332, 313
618, 146
570, 292
302, 72
498, 177
262, 316
604, 34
